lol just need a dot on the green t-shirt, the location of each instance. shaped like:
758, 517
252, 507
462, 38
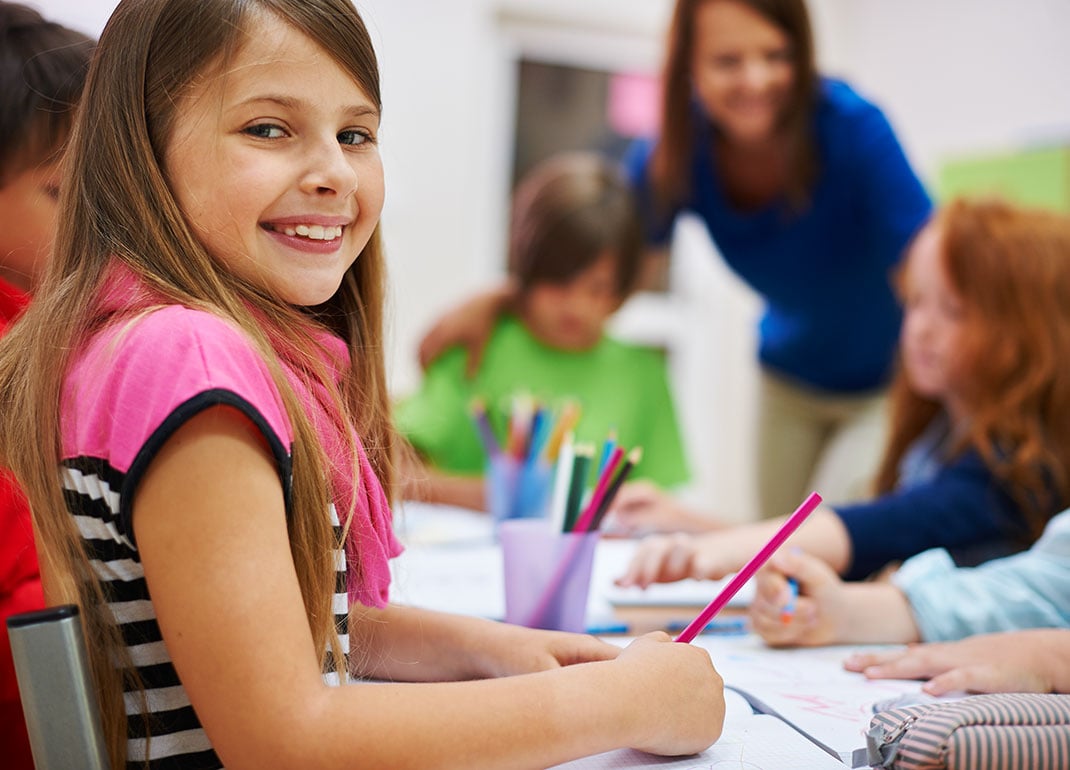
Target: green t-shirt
618, 386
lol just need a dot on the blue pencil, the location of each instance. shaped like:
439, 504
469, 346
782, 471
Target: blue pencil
788, 612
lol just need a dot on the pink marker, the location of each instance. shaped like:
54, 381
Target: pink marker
695, 627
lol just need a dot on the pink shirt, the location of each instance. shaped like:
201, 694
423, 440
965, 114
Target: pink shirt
141, 378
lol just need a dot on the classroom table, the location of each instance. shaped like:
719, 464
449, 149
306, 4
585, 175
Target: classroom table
453, 563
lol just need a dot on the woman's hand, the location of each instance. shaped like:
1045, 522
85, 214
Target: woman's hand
1016, 661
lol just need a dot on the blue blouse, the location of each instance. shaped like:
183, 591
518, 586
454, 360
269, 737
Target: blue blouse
831, 319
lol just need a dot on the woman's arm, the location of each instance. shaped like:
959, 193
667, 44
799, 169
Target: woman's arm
211, 528
469, 324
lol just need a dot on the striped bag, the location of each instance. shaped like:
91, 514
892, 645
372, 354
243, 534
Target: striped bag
1010, 731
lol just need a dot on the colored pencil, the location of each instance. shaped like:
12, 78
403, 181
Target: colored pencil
478, 410
562, 479
584, 521
788, 611
730, 590
630, 462
577, 485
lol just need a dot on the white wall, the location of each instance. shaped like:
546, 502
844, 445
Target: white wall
955, 77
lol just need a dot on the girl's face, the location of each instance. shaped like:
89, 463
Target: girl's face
28, 208
933, 324
572, 316
742, 71
275, 165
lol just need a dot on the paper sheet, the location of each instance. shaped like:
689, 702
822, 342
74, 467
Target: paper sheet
757, 742
807, 687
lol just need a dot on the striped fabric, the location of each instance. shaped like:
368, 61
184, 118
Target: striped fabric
1010, 731
177, 738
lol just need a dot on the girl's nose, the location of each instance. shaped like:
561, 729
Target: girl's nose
330, 172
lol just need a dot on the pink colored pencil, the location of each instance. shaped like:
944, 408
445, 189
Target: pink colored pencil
695, 626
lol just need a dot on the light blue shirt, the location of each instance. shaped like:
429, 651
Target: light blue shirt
1028, 590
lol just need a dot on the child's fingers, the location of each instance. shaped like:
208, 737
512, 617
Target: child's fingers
661, 559
983, 678
860, 661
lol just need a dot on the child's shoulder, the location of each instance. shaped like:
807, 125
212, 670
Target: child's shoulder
169, 333
174, 350
157, 367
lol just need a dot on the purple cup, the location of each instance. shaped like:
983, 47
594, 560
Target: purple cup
547, 574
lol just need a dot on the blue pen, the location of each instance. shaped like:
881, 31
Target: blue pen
788, 612
723, 626
598, 629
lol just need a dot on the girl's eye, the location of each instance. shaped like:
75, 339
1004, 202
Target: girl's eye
353, 137
265, 131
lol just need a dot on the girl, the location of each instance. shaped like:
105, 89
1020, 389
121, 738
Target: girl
203, 355
979, 449
810, 199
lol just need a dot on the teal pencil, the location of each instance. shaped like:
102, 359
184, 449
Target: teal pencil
578, 485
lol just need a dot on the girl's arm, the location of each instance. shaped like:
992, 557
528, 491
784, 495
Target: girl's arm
413, 644
666, 558
210, 525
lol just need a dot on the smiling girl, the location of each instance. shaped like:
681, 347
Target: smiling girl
203, 366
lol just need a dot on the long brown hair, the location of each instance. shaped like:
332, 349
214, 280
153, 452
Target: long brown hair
117, 204
676, 145
1011, 270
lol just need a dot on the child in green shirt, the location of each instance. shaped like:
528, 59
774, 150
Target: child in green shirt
574, 255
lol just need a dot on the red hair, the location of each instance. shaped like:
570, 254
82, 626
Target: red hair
1011, 269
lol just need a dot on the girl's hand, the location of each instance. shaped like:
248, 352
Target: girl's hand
667, 558
520, 650
1015, 661
820, 609
682, 693
642, 507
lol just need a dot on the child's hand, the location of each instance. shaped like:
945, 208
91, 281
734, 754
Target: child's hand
519, 650
820, 608
682, 693
642, 507
667, 558
1016, 661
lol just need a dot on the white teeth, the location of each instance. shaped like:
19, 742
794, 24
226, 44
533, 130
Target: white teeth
314, 232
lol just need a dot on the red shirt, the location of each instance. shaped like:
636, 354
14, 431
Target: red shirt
20, 580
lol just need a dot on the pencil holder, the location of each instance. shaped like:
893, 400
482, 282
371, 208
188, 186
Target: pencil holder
516, 489
547, 575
